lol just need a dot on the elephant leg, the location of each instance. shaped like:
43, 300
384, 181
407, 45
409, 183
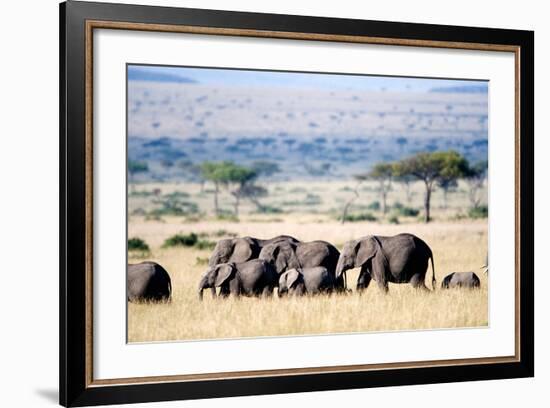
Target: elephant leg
224, 291
379, 273
417, 282
363, 280
267, 291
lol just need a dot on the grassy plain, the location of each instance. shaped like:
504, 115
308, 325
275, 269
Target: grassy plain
458, 243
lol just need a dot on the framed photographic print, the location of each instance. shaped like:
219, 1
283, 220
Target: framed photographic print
256, 203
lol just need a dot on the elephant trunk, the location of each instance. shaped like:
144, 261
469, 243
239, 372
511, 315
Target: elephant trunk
203, 284
340, 267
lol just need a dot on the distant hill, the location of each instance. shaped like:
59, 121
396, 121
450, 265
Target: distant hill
150, 76
462, 89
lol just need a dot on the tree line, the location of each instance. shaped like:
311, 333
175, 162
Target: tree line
440, 169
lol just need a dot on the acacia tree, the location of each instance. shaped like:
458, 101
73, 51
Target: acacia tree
227, 174
431, 168
382, 173
475, 177
238, 176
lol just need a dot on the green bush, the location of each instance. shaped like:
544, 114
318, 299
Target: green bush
397, 205
205, 244
407, 211
360, 217
176, 194
479, 212
223, 216
188, 240
141, 193
137, 244
375, 206
393, 219
175, 207
268, 209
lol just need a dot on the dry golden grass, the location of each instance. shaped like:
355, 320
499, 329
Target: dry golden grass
457, 246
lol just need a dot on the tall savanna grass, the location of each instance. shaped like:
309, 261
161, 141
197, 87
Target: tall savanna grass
457, 246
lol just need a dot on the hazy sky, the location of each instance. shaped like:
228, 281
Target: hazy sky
299, 80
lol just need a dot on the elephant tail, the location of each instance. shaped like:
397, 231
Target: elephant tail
433, 271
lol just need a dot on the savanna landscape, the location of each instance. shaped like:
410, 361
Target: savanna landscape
377, 160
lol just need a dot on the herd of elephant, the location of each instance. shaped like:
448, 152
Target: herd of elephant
255, 267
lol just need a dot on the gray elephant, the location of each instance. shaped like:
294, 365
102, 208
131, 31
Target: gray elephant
148, 281
306, 281
242, 249
285, 255
461, 280
251, 278
401, 258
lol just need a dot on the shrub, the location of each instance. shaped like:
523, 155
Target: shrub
181, 240
227, 217
223, 233
478, 212
174, 207
397, 205
360, 217
176, 194
375, 206
137, 244
141, 193
268, 209
205, 244
407, 212
393, 219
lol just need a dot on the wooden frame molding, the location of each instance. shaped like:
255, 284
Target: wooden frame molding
98, 24
78, 22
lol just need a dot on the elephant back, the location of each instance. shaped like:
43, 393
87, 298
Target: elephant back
318, 253
148, 281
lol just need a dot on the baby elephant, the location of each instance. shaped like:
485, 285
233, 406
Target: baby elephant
251, 278
461, 280
306, 280
148, 281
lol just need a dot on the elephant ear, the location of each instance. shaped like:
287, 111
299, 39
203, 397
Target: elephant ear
365, 249
291, 277
242, 250
224, 272
285, 257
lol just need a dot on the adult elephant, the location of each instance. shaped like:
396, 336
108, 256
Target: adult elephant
401, 258
251, 278
286, 255
148, 281
242, 249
